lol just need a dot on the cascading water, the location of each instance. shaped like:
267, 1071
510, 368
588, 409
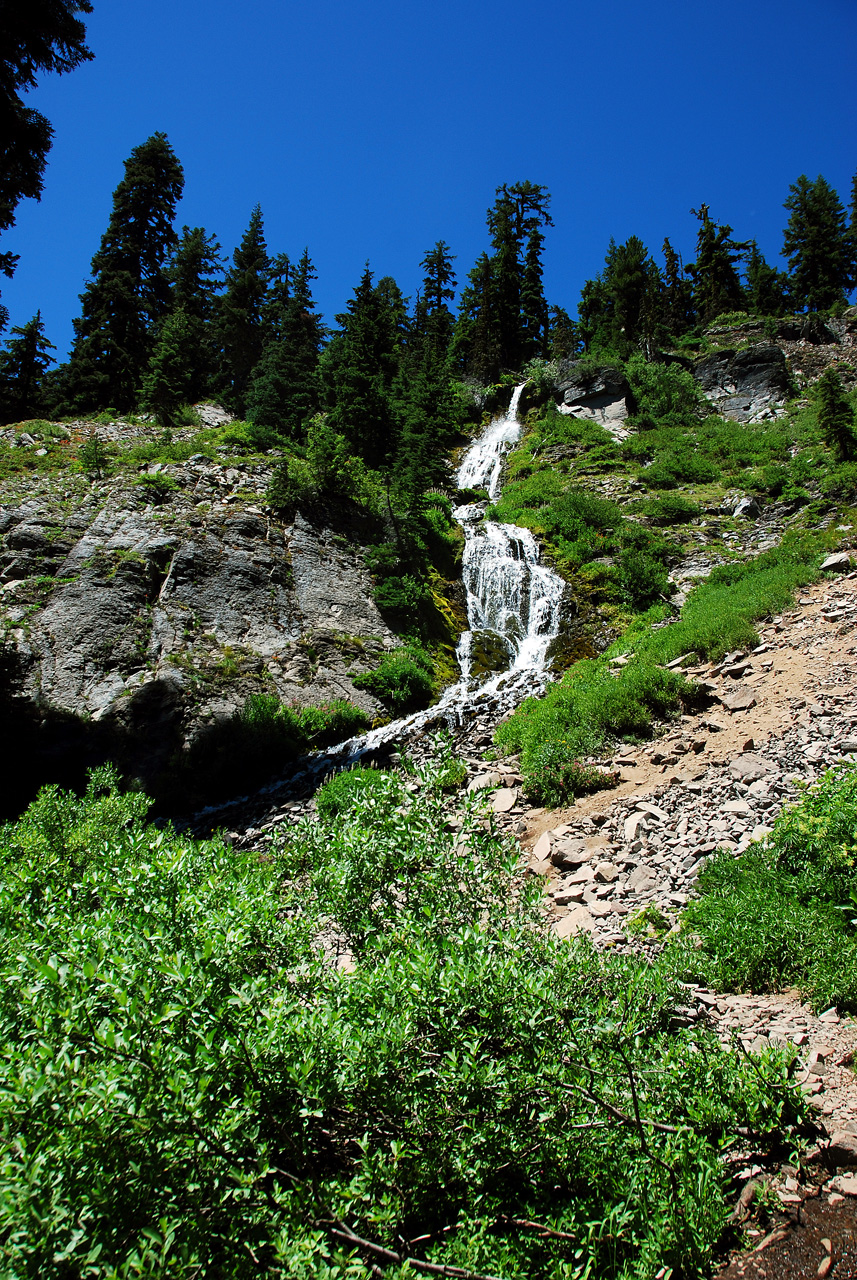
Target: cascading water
511, 598
509, 594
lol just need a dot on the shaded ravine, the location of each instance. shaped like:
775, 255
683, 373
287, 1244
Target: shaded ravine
513, 604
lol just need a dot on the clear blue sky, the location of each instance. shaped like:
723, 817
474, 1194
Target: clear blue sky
369, 130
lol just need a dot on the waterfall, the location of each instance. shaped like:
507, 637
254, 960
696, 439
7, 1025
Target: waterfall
512, 599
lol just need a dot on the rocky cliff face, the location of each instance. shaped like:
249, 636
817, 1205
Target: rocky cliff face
141, 622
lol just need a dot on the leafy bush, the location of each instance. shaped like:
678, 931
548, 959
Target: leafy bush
192, 1085
667, 395
403, 680
643, 578
554, 775
338, 796
782, 914
671, 509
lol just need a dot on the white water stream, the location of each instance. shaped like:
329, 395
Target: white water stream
513, 603
510, 595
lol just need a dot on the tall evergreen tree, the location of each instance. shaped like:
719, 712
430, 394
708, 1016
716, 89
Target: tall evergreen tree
476, 341
41, 35
284, 391
424, 403
563, 335
129, 293
716, 283
621, 310
836, 417
241, 331
22, 366
169, 381
195, 276
817, 245
360, 367
767, 288
677, 293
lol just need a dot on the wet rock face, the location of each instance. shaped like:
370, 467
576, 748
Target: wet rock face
745, 385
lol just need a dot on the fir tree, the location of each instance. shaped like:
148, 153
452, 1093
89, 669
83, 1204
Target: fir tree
22, 367
194, 275
433, 321
677, 293
817, 245
476, 341
360, 367
169, 381
836, 417
240, 314
129, 293
767, 288
716, 282
563, 335
620, 311
41, 35
284, 393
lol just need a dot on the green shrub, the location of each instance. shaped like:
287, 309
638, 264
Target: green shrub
554, 776
341, 795
671, 509
403, 680
781, 915
193, 1085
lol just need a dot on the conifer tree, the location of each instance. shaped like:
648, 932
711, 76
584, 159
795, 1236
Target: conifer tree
22, 366
476, 342
284, 392
129, 293
194, 275
563, 335
716, 283
240, 314
677, 293
41, 35
360, 367
621, 311
836, 417
425, 406
169, 381
767, 288
817, 245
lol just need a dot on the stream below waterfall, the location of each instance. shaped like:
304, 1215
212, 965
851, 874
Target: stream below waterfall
513, 604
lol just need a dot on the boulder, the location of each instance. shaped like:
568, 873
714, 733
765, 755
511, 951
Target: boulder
578, 920
750, 767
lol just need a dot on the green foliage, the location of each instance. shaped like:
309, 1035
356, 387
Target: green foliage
23, 365
667, 395
817, 244
589, 706
340, 795
672, 509
555, 776
403, 680
774, 917
93, 455
836, 417
240, 329
247, 748
128, 295
192, 1084
156, 488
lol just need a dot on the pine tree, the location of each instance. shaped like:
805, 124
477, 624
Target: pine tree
677, 292
716, 283
360, 367
194, 275
817, 245
240, 327
285, 390
563, 335
41, 35
169, 381
22, 367
836, 417
767, 288
425, 407
129, 293
620, 311
476, 341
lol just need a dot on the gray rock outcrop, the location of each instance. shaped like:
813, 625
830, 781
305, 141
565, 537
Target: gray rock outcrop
599, 395
745, 385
